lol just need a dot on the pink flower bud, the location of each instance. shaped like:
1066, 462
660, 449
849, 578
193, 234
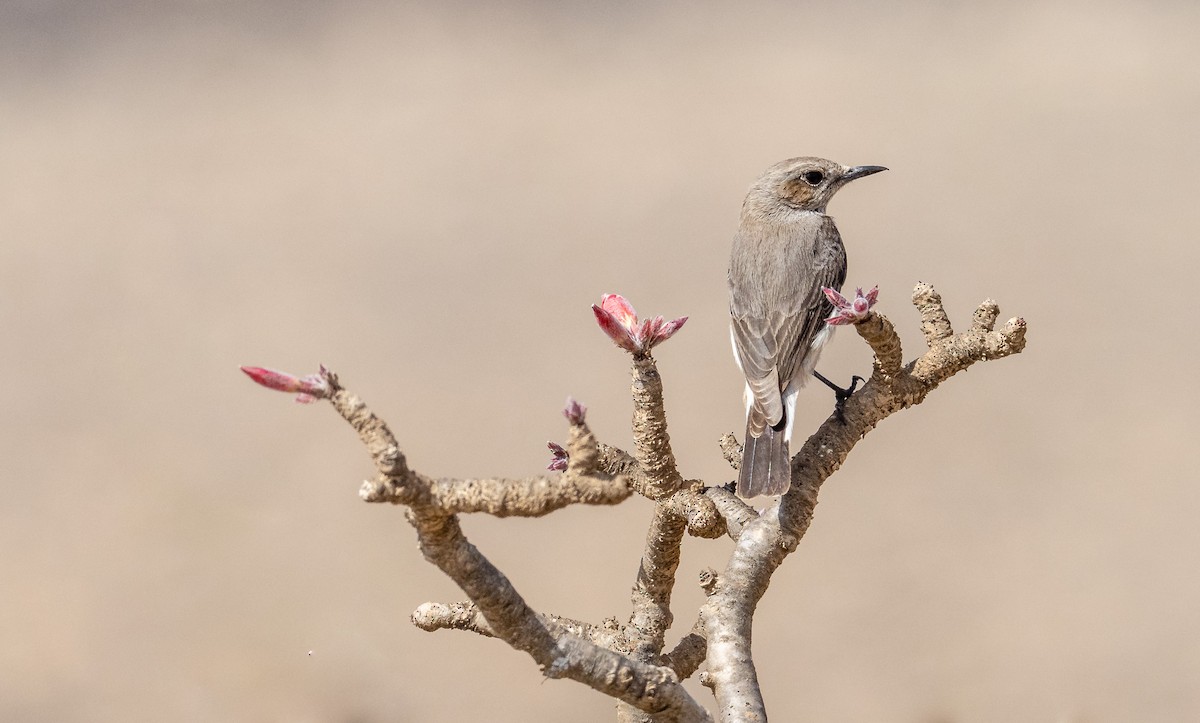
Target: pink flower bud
621, 310
558, 461
621, 335
308, 388
850, 312
618, 319
574, 412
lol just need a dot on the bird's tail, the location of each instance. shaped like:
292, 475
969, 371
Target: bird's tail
766, 465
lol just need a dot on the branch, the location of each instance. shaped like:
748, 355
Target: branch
584, 482
764, 543
651, 599
690, 652
678, 508
655, 581
432, 616
628, 662
737, 513
559, 653
650, 436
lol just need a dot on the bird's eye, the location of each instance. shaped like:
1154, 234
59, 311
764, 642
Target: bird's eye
812, 178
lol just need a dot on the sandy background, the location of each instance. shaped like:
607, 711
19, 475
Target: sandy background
428, 198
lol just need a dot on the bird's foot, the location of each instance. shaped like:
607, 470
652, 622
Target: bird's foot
840, 394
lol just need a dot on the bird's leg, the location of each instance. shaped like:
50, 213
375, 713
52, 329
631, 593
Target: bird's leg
840, 394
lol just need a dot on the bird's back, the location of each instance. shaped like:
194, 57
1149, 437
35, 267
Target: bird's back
777, 268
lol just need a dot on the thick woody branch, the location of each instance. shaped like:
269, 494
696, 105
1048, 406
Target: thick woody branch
734, 509
688, 654
764, 543
879, 333
584, 482
651, 597
380, 442
699, 512
528, 497
560, 654
618, 462
702, 516
433, 616
736, 512
651, 688
692, 649
651, 441
655, 581
679, 508
660, 695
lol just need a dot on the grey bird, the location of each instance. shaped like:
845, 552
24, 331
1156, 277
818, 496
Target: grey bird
785, 250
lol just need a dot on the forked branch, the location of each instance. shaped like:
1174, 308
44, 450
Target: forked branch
628, 661
764, 543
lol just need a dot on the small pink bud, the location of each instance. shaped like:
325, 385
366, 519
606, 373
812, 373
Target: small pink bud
558, 461
271, 379
834, 297
309, 388
850, 312
665, 330
574, 412
649, 328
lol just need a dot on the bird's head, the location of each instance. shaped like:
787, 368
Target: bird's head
806, 183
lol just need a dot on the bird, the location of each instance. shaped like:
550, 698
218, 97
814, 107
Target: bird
785, 251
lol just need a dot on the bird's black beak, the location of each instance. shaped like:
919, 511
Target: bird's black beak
860, 171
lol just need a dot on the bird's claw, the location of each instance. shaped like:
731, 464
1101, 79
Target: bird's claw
840, 394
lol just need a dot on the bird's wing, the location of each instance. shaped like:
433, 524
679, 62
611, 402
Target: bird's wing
754, 341
798, 331
772, 336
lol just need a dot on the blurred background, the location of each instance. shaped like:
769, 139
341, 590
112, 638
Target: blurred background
428, 197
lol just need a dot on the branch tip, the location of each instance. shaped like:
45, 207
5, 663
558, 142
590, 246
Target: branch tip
985, 316
935, 324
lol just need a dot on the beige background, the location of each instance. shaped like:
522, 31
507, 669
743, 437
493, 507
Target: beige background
429, 198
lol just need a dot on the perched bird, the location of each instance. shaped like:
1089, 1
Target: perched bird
785, 250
